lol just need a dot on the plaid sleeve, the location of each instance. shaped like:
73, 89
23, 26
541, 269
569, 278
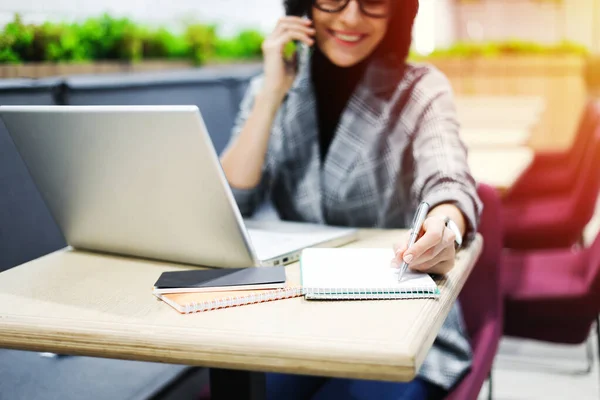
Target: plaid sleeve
249, 199
442, 173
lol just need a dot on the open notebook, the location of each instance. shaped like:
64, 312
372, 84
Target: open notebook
353, 273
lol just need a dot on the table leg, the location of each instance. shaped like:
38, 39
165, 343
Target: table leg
233, 384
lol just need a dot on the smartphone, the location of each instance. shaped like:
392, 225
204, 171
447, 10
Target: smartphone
290, 52
294, 8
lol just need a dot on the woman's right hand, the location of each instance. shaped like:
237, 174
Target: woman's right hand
278, 73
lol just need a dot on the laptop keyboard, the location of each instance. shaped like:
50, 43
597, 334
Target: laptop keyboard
273, 244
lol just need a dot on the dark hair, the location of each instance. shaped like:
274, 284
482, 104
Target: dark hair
398, 38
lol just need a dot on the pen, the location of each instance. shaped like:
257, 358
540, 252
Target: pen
415, 229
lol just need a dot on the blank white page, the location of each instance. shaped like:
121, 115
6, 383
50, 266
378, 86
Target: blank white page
354, 268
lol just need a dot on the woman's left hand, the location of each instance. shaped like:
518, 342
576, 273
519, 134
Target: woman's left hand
433, 251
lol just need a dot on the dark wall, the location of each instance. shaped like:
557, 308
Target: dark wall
27, 230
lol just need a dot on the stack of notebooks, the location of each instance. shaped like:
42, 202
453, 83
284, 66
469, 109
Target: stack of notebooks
203, 290
326, 274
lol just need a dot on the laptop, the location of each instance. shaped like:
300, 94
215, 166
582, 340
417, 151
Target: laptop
145, 181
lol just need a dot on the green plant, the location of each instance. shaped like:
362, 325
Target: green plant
17, 40
465, 49
59, 42
163, 44
201, 40
567, 47
246, 45
95, 38
7, 54
108, 38
504, 48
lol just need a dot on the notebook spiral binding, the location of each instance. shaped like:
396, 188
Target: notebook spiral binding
316, 293
234, 301
369, 294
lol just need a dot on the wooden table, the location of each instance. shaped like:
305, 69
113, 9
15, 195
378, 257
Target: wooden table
72, 302
500, 168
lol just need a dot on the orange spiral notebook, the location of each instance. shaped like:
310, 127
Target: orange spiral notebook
187, 303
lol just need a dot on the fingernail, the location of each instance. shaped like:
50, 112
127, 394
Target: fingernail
394, 264
408, 258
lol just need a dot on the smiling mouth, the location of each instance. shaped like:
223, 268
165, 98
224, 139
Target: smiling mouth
347, 38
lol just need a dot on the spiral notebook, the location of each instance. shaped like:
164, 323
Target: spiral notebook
187, 303
362, 274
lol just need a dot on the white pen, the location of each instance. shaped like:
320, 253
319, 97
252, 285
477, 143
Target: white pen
415, 229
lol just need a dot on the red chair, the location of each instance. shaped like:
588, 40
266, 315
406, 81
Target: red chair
557, 220
552, 173
481, 299
552, 295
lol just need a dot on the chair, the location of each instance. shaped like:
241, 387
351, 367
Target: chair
552, 295
481, 299
557, 220
217, 92
552, 173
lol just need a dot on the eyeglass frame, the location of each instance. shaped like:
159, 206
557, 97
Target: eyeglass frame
360, 4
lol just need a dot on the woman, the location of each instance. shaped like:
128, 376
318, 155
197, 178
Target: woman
353, 135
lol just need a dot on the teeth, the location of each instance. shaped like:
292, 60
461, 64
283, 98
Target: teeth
348, 38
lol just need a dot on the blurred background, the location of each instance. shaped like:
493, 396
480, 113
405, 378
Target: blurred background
484, 46
526, 76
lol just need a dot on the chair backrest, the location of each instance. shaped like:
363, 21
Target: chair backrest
585, 132
586, 190
593, 270
216, 92
27, 230
481, 297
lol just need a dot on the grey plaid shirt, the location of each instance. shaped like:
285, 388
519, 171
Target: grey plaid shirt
395, 145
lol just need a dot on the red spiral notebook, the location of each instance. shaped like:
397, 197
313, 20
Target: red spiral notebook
187, 303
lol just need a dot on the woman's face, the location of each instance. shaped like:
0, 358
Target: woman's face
349, 36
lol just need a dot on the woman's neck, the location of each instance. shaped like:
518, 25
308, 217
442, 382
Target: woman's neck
325, 70
333, 87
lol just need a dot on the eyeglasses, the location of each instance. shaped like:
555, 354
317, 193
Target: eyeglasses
371, 8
